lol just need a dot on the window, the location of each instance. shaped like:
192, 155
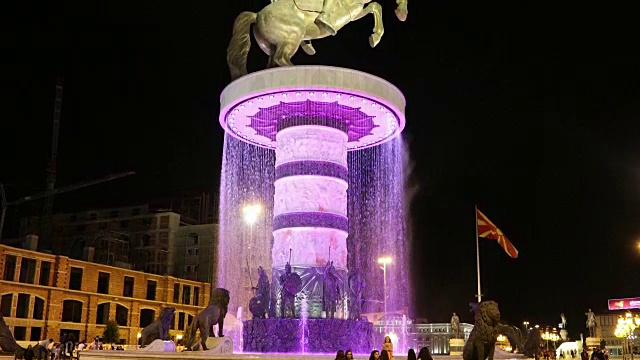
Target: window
72, 311
122, 315
196, 251
146, 317
73, 218
188, 269
151, 290
93, 216
186, 294
6, 302
189, 319
103, 282
28, 271
103, 313
10, 267
75, 279
124, 224
102, 226
128, 286
38, 308
45, 273
146, 240
193, 239
35, 333
22, 309
196, 295
135, 212
181, 321
176, 293
114, 213
20, 333
164, 222
189, 252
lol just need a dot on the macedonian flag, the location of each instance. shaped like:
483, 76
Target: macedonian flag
486, 229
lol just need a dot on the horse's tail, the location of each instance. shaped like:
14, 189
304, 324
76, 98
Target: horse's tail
240, 44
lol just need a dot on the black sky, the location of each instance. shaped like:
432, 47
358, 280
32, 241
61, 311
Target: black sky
528, 109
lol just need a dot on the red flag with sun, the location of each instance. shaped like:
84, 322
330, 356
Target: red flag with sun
486, 229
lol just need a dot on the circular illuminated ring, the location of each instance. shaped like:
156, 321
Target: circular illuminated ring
257, 105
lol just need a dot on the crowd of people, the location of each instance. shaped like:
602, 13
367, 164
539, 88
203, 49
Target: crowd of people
386, 353
66, 348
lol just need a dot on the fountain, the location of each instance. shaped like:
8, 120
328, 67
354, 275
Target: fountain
313, 155
306, 120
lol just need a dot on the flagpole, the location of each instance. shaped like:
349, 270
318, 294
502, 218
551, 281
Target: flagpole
478, 255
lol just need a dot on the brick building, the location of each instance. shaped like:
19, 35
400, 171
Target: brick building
43, 296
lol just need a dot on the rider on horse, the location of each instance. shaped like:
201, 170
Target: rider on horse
324, 19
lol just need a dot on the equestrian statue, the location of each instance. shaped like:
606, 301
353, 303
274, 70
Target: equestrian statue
286, 25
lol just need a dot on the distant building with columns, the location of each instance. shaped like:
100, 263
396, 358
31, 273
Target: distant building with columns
414, 334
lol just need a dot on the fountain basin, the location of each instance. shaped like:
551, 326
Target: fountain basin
321, 335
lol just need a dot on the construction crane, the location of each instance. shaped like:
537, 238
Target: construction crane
52, 169
51, 193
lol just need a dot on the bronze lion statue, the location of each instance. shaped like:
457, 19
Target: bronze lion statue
8, 342
158, 329
210, 316
482, 340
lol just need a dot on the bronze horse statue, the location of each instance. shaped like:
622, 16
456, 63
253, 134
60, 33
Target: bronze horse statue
286, 25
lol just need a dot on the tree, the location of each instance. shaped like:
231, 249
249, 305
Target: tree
111, 332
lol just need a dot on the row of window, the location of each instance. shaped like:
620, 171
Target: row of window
20, 333
22, 307
72, 312
27, 270
28, 276
112, 214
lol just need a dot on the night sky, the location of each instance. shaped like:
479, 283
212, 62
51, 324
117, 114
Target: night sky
527, 109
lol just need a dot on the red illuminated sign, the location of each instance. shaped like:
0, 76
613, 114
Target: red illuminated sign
624, 304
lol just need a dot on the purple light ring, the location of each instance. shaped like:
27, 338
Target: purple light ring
399, 115
312, 120
309, 167
311, 220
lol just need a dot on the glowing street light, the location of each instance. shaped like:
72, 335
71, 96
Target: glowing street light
526, 325
625, 330
384, 261
251, 213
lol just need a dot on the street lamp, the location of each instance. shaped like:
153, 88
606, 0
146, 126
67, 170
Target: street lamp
384, 261
526, 325
251, 214
625, 331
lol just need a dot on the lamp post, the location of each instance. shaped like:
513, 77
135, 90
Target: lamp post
251, 213
384, 261
526, 326
625, 331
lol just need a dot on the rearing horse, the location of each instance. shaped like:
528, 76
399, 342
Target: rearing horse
285, 25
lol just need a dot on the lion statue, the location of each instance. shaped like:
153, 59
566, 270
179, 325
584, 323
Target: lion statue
158, 329
482, 340
513, 334
8, 342
531, 346
211, 315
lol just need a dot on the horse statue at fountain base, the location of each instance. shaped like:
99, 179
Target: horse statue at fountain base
286, 25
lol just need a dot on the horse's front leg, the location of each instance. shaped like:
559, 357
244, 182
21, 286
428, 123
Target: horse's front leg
378, 27
402, 10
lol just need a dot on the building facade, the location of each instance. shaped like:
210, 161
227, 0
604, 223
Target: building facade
142, 238
605, 330
409, 334
194, 257
44, 296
